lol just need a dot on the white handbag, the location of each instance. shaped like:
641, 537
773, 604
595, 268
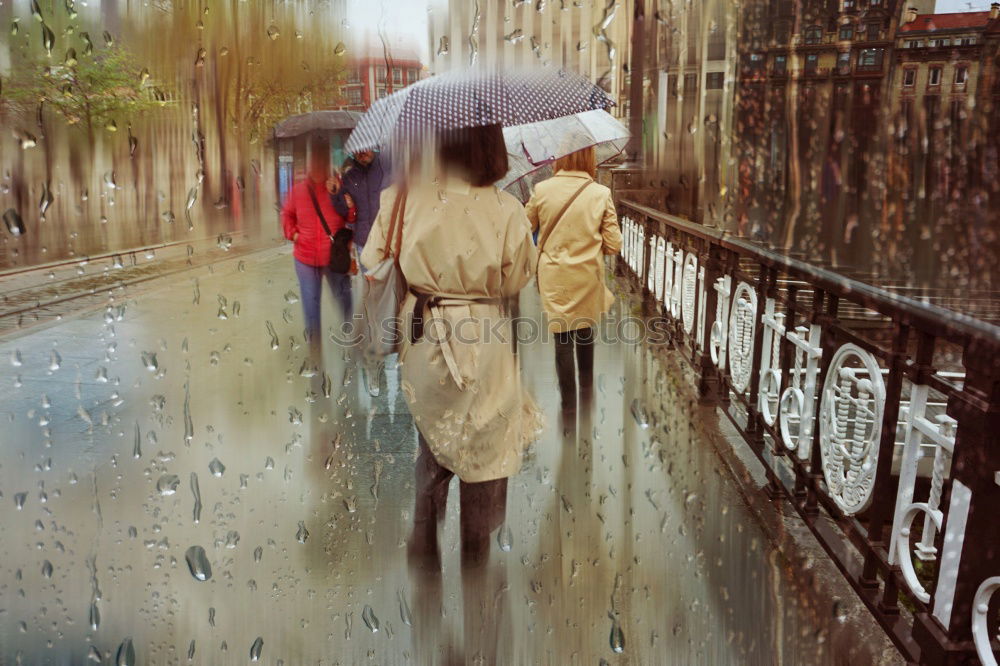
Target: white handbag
384, 290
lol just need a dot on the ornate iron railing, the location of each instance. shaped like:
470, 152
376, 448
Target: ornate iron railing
875, 415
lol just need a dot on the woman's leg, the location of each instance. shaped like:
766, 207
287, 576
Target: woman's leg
340, 284
431, 496
585, 338
483, 509
310, 289
566, 370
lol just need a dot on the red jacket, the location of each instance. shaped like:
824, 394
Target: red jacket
298, 215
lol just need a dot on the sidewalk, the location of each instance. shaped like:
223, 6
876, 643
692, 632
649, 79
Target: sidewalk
116, 425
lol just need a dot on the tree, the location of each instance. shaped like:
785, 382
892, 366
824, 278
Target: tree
96, 90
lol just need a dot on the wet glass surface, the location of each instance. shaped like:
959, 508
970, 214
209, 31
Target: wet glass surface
176, 479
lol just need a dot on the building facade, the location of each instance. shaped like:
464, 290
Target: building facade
375, 75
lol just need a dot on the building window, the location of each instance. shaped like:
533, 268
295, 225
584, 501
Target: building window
381, 93
849, 5
714, 80
909, 76
814, 34
937, 43
780, 64
914, 44
961, 75
672, 85
354, 96
414, 75
812, 60
846, 32
380, 74
353, 76
844, 62
875, 3
967, 41
690, 83
397, 76
873, 30
870, 59
934, 76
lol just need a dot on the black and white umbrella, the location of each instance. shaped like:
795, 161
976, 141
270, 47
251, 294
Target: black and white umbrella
474, 98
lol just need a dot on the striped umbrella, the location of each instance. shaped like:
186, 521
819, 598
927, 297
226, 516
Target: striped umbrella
474, 98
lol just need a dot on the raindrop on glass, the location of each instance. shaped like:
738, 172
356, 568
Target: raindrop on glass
198, 563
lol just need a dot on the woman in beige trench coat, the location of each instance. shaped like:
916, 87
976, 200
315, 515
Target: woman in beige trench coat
577, 225
466, 246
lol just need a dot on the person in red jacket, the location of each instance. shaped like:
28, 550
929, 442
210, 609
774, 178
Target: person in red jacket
302, 226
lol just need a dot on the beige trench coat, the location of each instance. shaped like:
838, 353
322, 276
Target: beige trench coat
461, 380
571, 266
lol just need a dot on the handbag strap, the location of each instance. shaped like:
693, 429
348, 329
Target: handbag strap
555, 221
312, 195
395, 226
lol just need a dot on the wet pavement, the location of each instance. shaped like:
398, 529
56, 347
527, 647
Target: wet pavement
183, 421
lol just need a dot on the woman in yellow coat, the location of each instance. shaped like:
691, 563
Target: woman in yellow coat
465, 248
577, 225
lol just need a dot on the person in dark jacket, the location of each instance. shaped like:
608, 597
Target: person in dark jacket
364, 178
302, 226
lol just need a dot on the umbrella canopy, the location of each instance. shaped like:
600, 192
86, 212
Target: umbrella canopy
474, 98
317, 120
533, 146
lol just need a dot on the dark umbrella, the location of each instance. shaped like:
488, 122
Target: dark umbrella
316, 120
474, 98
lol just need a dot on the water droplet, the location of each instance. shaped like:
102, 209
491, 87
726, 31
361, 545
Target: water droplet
55, 360
302, 534
15, 225
199, 60
196, 491
505, 538
639, 414
48, 39
443, 46
216, 467
291, 297
126, 654
167, 485
137, 446
339, 49
371, 621
232, 539
47, 569
149, 361
198, 563
95, 655
95, 616
191, 651
255, 649
272, 32
617, 637
258, 553
514, 37
404, 609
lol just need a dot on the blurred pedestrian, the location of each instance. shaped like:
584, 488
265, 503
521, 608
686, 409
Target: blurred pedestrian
465, 246
305, 211
364, 178
577, 225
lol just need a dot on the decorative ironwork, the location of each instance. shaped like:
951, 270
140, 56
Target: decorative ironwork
775, 338
851, 423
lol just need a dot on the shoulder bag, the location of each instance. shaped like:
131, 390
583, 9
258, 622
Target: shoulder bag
340, 242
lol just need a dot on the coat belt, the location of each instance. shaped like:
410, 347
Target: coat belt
433, 302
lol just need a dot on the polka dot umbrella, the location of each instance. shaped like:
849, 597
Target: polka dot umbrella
474, 98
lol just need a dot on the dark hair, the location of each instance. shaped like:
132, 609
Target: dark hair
477, 153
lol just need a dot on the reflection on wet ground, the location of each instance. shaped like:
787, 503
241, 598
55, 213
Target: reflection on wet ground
183, 486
